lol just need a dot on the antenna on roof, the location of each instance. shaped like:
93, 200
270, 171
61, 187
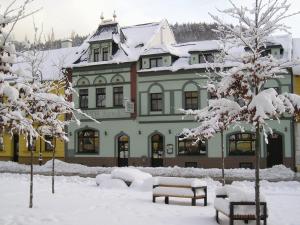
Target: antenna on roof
114, 15
102, 17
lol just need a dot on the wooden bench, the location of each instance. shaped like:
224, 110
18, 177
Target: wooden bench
179, 187
238, 210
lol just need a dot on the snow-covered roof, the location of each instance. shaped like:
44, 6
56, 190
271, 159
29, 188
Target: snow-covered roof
136, 39
184, 50
48, 62
296, 55
105, 32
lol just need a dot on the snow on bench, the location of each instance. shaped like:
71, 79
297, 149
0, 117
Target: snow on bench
238, 204
180, 187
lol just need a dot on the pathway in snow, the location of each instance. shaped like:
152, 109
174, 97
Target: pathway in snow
78, 201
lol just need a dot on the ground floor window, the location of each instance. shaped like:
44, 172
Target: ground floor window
242, 144
49, 143
189, 147
88, 141
31, 145
1, 142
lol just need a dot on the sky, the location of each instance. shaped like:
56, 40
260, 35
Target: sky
83, 16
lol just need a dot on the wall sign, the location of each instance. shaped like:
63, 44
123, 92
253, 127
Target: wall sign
169, 148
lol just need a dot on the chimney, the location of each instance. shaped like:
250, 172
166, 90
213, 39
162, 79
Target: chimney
67, 43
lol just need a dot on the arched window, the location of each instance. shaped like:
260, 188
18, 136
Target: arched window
189, 147
88, 141
242, 144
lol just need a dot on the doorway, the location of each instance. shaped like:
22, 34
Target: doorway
157, 150
274, 150
123, 150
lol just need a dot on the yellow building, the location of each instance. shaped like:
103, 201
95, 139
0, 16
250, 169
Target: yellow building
14, 147
296, 80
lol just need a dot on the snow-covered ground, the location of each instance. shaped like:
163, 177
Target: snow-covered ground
78, 201
279, 172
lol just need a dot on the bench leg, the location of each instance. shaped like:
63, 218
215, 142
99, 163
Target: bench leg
217, 216
166, 200
265, 221
193, 201
153, 199
205, 201
230, 221
246, 221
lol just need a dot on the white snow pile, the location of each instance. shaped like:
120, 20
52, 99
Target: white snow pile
129, 174
279, 172
120, 177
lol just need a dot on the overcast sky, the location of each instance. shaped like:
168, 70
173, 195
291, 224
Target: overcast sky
83, 16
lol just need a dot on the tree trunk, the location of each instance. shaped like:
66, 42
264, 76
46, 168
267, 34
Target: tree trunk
31, 179
257, 179
53, 164
223, 159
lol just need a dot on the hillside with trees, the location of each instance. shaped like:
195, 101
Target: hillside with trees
184, 32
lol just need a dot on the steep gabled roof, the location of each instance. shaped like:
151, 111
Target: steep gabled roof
131, 44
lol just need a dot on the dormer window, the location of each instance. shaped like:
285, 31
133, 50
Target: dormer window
105, 54
206, 57
156, 62
96, 55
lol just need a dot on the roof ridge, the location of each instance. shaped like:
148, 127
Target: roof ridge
139, 25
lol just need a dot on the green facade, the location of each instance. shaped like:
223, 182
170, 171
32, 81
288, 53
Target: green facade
168, 123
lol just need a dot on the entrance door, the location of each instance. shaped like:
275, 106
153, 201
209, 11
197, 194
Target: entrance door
123, 150
157, 150
16, 148
274, 150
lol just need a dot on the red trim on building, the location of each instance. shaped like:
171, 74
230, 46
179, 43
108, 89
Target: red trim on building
133, 88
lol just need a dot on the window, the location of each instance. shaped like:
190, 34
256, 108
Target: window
156, 102
31, 146
96, 55
1, 142
100, 97
189, 147
212, 95
191, 99
266, 52
242, 144
206, 57
105, 54
118, 96
246, 165
155, 62
49, 145
88, 141
191, 164
83, 98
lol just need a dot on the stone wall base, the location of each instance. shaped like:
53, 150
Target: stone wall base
183, 161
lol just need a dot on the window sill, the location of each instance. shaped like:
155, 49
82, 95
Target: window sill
87, 153
182, 155
236, 155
